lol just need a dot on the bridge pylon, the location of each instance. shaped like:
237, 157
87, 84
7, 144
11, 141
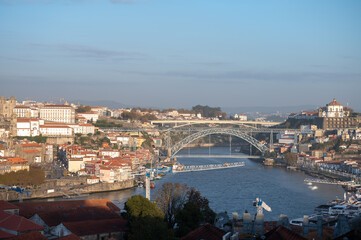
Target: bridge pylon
169, 152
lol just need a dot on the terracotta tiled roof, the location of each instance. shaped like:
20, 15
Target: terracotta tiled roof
76, 215
354, 234
31, 151
22, 107
334, 102
17, 223
207, 232
4, 235
96, 227
70, 237
28, 209
57, 106
30, 145
280, 233
4, 205
26, 119
29, 236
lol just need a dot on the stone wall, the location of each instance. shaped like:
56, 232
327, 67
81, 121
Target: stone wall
59, 140
66, 187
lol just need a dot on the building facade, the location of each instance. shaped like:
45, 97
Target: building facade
58, 113
334, 117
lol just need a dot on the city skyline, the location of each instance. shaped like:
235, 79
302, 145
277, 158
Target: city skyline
182, 53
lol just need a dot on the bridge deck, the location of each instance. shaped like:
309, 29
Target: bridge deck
198, 168
214, 156
268, 123
324, 181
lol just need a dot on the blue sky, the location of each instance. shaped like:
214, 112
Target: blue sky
179, 53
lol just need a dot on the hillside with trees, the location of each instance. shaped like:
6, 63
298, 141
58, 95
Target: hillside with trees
209, 112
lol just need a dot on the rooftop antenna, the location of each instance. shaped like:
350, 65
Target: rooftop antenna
261, 205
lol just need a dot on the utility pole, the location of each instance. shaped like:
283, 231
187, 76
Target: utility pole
169, 153
230, 145
250, 145
209, 145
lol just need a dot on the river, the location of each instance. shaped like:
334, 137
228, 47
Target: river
234, 189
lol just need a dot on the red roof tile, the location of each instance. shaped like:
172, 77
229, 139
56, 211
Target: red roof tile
28, 209
334, 102
30, 145
207, 232
30, 236
96, 227
4, 205
17, 223
4, 235
281, 232
31, 151
76, 215
57, 106
70, 237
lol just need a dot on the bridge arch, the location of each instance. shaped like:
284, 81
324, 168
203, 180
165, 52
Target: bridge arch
234, 132
215, 122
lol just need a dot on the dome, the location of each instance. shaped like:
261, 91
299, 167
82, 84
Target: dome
334, 103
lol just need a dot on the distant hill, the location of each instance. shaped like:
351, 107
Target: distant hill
282, 109
100, 103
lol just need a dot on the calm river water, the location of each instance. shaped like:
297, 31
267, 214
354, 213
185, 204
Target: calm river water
234, 189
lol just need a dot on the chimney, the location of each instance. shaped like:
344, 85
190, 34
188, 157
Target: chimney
284, 221
258, 224
235, 236
247, 223
305, 225
319, 226
342, 226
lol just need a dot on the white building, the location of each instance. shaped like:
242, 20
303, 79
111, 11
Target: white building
75, 164
101, 111
123, 140
22, 111
82, 128
287, 137
60, 130
58, 113
241, 117
87, 128
334, 109
28, 127
92, 117
110, 153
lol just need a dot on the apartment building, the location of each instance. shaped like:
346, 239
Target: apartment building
58, 113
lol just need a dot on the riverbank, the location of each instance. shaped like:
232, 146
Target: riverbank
316, 173
67, 191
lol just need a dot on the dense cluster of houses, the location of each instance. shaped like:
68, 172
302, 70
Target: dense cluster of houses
23, 154
104, 165
290, 141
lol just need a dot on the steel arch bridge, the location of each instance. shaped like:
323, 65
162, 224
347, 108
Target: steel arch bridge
234, 132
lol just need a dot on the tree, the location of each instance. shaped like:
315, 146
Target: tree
171, 198
139, 206
188, 219
83, 109
207, 111
146, 220
23, 178
290, 158
202, 203
270, 154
